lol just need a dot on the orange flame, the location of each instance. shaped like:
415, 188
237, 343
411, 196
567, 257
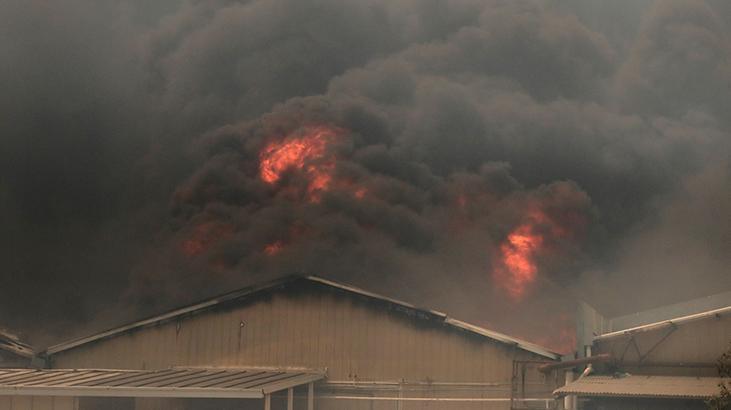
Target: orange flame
305, 152
519, 268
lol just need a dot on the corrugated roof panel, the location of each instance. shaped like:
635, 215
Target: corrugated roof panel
672, 387
176, 382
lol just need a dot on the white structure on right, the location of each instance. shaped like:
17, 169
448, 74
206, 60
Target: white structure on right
670, 363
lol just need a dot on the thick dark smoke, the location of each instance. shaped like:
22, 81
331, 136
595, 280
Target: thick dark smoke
132, 134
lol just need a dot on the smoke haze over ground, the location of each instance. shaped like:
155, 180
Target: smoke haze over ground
491, 159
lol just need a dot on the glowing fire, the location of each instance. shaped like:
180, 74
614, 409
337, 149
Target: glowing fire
518, 252
274, 248
517, 268
305, 151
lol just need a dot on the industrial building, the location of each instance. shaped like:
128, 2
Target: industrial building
294, 343
666, 364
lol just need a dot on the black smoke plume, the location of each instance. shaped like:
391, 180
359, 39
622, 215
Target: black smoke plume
132, 136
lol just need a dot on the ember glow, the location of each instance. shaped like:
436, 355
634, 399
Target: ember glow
274, 248
304, 151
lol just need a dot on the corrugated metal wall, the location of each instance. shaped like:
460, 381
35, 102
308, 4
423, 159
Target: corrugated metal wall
353, 337
38, 403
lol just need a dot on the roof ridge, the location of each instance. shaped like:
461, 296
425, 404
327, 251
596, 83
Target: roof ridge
251, 290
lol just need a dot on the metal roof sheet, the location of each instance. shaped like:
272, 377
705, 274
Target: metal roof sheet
251, 291
715, 313
11, 343
173, 382
670, 387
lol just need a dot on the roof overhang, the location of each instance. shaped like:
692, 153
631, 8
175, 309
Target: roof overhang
660, 387
209, 383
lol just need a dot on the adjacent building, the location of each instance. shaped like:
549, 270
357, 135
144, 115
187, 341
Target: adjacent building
666, 364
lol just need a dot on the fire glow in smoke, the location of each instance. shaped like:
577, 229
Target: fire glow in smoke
273, 248
306, 152
517, 268
204, 236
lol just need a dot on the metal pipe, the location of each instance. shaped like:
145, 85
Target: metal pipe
569, 400
718, 313
604, 357
446, 399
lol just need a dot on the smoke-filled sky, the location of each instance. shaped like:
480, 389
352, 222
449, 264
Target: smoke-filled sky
494, 159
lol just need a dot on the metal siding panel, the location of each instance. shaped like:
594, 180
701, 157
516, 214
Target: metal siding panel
247, 346
296, 329
393, 347
215, 351
362, 347
268, 332
319, 317
348, 335
340, 348
283, 329
261, 333
42, 403
229, 326
315, 330
201, 334
330, 355
195, 341
64, 403
204, 329
409, 351
22, 403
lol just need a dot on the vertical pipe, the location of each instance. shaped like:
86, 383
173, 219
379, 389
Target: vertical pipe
311, 396
569, 401
290, 399
400, 403
267, 402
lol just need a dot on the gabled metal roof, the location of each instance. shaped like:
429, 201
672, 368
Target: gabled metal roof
11, 343
175, 382
242, 294
667, 387
716, 313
